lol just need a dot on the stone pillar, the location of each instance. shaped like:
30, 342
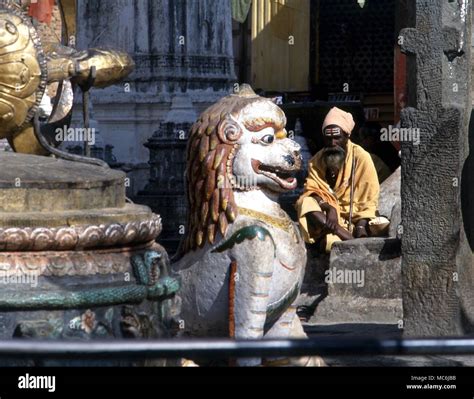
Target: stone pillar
437, 260
178, 46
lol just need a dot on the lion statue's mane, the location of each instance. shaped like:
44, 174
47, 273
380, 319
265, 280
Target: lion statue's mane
211, 147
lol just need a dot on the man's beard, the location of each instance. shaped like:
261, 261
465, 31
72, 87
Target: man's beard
333, 157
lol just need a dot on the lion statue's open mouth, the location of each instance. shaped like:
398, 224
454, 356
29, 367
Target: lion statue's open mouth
285, 178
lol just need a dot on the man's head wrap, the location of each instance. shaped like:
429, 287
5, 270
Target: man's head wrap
340, 118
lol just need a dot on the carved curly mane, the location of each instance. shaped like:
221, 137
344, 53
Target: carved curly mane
211, 148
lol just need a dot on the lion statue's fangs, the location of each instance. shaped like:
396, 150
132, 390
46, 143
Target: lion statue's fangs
243, 258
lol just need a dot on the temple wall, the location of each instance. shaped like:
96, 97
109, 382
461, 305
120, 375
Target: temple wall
179, 47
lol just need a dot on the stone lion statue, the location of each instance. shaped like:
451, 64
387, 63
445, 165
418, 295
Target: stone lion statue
242, 260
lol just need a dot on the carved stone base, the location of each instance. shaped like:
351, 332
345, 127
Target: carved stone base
76, 260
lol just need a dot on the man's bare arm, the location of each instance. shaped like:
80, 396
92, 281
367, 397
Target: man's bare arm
318, 221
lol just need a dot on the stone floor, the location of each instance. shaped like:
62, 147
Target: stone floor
381, 331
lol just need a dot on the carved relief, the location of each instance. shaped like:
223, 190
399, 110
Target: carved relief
80, 237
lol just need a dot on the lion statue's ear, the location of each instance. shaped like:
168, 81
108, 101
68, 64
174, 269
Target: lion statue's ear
229, 130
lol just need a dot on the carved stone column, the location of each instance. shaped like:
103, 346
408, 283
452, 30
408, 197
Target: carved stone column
438, 272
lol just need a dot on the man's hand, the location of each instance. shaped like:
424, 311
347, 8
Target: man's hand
327, 220
318, 221
343, 234
331, 217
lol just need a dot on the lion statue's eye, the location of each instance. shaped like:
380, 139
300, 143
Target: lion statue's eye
268, 139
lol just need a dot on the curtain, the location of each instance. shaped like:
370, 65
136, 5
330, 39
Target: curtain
240, 9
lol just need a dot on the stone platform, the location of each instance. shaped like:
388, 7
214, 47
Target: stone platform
40, 184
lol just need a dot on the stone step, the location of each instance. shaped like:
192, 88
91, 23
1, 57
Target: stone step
360, 282
349, 309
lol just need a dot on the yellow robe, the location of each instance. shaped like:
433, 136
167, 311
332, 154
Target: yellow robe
366, 192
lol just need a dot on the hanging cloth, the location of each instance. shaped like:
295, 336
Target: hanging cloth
42, 10
240, 10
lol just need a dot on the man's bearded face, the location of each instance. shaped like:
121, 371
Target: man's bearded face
335, 142
333, 157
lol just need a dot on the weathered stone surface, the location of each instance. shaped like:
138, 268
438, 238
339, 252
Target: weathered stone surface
389, 193
395, 219
390, 201
364, 283
313, 288
357, 310
38, 184
434, 244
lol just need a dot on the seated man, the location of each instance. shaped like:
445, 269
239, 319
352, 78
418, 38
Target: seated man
324, 207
